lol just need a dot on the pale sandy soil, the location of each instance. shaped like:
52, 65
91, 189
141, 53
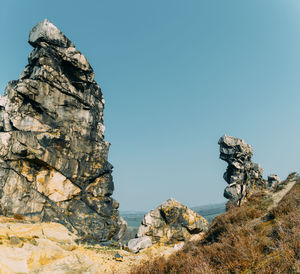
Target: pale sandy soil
107, 264
51, 248
277, 196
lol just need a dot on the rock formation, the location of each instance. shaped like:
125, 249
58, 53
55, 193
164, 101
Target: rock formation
242, 174
137, 244
171, 222
53, 164
273, 180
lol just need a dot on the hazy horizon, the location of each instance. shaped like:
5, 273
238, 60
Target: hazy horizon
176, 76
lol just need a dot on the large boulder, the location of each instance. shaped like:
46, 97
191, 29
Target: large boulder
53, 156
137, 244
242, 175
171, 222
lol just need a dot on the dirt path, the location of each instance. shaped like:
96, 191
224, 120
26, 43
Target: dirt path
278, 196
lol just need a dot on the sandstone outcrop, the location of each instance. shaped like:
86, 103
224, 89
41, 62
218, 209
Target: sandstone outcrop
171, 222
53, 156
242, 174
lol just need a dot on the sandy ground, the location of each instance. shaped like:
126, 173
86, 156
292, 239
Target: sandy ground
107, 264
51, 248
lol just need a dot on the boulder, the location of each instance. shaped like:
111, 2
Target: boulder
273, 180
242, 174
171, 222
137, 244
53, 156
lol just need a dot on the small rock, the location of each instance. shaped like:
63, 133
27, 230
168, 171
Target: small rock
14, 240
118, 257
137, 244
33, 241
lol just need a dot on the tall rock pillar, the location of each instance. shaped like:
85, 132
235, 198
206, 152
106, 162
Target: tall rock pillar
53, 157
242, 174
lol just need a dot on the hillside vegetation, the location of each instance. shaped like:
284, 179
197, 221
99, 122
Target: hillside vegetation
256, 237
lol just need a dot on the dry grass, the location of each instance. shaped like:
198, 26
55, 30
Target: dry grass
234, 244
18, 217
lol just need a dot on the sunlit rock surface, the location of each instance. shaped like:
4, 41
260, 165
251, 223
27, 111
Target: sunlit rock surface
53, 157
137, 244
273, 180
41, 248
242, 175
171, 222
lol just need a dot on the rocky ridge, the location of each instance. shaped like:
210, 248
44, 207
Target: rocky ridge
53, 156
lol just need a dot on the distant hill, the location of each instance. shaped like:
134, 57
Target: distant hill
209, 212
134, 218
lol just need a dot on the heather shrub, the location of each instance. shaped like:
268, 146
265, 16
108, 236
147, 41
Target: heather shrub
245, 239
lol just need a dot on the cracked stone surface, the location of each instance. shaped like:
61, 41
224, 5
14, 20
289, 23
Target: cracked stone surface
171, 222
242, 175
53, 156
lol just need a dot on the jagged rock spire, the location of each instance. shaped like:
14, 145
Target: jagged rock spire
53, 164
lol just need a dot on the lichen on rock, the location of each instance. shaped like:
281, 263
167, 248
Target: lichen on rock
171, 222
53, 156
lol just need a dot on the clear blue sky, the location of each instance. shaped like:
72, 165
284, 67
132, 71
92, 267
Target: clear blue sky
176, 75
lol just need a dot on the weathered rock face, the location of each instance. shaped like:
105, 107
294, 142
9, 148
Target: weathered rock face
137, 244
53, 164
241, 174
41, 248
171, 222
273, 180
